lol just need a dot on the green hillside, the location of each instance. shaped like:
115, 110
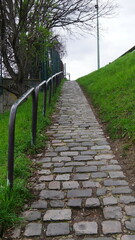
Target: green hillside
112, 91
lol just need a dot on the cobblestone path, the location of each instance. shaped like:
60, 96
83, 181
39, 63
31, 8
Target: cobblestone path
82, 192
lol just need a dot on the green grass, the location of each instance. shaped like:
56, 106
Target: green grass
11, 202
112, 91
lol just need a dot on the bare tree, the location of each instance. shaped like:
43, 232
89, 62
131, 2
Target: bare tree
27, 28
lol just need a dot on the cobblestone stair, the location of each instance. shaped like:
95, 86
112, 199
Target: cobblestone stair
81, 190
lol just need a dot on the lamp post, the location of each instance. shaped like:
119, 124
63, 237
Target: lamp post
98, 48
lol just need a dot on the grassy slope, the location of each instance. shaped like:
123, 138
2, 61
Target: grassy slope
112, 90
10, 203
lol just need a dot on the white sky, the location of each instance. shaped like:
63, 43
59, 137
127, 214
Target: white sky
117, 36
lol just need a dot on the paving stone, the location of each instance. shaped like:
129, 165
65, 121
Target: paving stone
127, 199
99, 175
101, 147
110, 167
86, 169
110, 201
81, 176
69, 154
43, 171
63, 170
54, 185
40, 186
112, 212
101, 191
82, 228
45, 160
33, 229
111, 227
119, 190
79, 193
104, 156
130, 224
57, 215
47, 165
57, 229
102, 162
75, 164
130, 210
61, 149
116, 174
46, 178
87, 184
57, 203
16, 233
70, 185
87, 144
59, 164
51, 154
100, 238
40, 204
63, 177
51, 194
88, 152
114, 162
110, 182
32, 215
128, 237
77, 202
92, 202
61, 159
83, 158
78, 148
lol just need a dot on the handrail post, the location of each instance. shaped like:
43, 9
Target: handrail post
45, 99
34, 116
50, 90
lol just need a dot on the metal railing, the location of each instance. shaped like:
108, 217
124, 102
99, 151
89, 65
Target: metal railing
51, 84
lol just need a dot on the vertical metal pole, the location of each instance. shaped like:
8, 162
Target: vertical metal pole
45, 99
98, 47
34, 115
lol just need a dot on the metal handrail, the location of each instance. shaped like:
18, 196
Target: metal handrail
12, 119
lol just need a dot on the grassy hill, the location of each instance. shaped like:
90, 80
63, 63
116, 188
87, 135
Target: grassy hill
112, 92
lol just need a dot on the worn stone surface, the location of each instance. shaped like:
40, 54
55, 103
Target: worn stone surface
128, 237
77, 202
82, 228
112, 212
39, 204
110, 200
56, 203
64, 214
57, 229
32, 215
92, 202
33, 229
111, 227
70, 184
51, 194
79, 193
130, 210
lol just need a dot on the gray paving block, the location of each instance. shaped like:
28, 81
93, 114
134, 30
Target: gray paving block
83, 158
119, 190
83, 228
110, 201
128, 237
40, 204
112, 212
86, 169
57, 203
57, 215
80, 176
46, 178
116, 174
87, 184
70, 185
130, 224
57, 229
110, 182
127, 199
63, 170
99, 175
61, 159
51, 194
62, 177
79, 193
33, 230
54, 185
130, 210
76, 202
111, 227
32, 215
92, 202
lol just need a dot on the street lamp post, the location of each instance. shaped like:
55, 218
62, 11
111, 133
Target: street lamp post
98, 48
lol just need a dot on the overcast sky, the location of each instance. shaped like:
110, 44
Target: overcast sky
117, 36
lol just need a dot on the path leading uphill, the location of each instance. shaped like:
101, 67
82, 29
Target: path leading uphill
81, 190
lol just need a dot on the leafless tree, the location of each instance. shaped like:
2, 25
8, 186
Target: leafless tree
27, 28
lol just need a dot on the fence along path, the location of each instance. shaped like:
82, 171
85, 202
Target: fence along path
81, 190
